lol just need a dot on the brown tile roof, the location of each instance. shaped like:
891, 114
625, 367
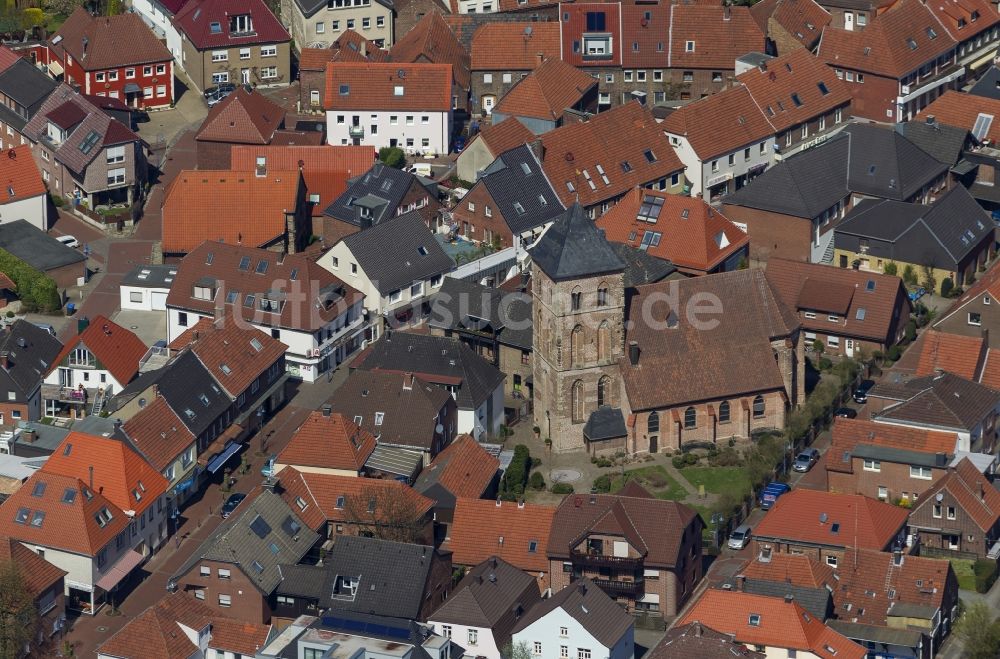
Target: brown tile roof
721, 123
242, 118
796, 569
464, 468
19, 176
195, 20
328, 442
39, 575
965, 356
431, 40
943, 400
191, 203
695, 235
349, 47
794, 88
804, 20
654, 527
7, 58
371, 86
107, 42
685, 364
697, 641
621, 135
972, 491
300, 310
158, 433
509, 47
478, 526
719, 41
848, 433
870, 303
234, 353
116, 349
780, 624
963, 19
863, 522
954, 108
505, 136
991, 370
884, 47
238, 637
547, 91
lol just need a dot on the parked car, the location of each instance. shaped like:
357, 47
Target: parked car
917, 294
861, 393
48, 328
69, 241
459, 144
740, 538
234, 500
846, 413
771, 494
805, 460
223, 87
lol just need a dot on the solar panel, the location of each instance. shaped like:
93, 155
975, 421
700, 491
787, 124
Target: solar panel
291, 527
260, 527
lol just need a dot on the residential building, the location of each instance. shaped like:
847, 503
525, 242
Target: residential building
885, 462
689, 233
511, 202
327, 443
237, 41
84, 155
486, 146
791, 24
604, 539
771, 625
243, 117
844, 311
320, 23
464, 469
596, 162
431, 41
44, 583
358, 111
696, 641
400, 410
23, 90
27, 197
475, 384
960, 515
43, 252
554, 93
584, 321
485, 606
410, 581
854, 15
952, 239
160, 435
145, 287
159, 16
180, 625
349, 46
579, 616
935, 351
825, 526
91, 368
114, 56
515, 532
315, 314
105, 510
503, 53
397, 265
356, 633
237, 568
26, 353
972, 315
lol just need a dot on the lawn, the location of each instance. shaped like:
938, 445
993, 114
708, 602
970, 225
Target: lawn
965, 573
718, 480
655, 479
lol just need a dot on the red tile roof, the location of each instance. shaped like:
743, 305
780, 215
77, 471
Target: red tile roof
242, 118
804, 20
107, 42
848, 433
158, 433
695, 236
972, 490
721, 123
964, 356
190, 207
991, 370
621, 135
863, 522
796, 569
431, 40
464, 468
478, 526
504, 136
574, 25
7, 58
349, 47
777, 624
116, 349
954, 108
547, 91
372, 86
19, 176
513, 46
963, 19
718, 40
39, 575
195, 20
328, 442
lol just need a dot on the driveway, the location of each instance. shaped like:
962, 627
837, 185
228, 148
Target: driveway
188, 112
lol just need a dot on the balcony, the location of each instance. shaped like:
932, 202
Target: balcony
603, 560
356, 131
631, 589
67, 394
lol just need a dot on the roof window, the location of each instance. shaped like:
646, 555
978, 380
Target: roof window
754, 620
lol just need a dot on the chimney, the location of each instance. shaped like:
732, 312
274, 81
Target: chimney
270, 483
408, 381
788, 598
524, 283
327, 410
5, 360
931, 120
364, 47
91, 476
741, 582
633, 353
539, 58
28, 435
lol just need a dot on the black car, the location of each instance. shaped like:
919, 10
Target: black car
222, 87
846, 413
234, 500
861, 393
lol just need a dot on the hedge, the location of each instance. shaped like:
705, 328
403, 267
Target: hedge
37, 291
562, 488
516, 476
986, 574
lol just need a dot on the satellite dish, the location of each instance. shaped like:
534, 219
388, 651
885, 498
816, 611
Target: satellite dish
439, 429
939, 497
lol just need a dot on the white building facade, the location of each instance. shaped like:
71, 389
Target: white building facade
416, 132
158, 18
34, 210
558, 634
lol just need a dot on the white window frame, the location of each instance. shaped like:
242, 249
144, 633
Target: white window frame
870, 464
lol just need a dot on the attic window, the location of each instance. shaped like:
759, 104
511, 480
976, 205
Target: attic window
340, 502
248, 300
823, 89
796, 100
38, 518
532, 546
931, 33
860, 315
519, 208
870, 285
69, 495
397, 90
261, 267
209, 258
301, 503
974, 15
626, 167
215, 27
835, 528
570, 186
911, 43
689, 46
525, 168
379, 418
650, 156
422, 250
22, 515
89, 142
982, 126
39, 489
371, 505
231, 296
754, 620
345, 90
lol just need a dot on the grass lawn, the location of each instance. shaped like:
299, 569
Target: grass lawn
655, 479
718, 480
965, 573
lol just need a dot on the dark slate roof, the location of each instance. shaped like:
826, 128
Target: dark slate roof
26, 85
381, 190
183, 383
858, 632
696, 641
943, 233
937, 401
816, 601
435, 356
462, 304
486, 595
604, 423
517, 177
31, 351
600, 615
35, 247
306, 581
310, 7
944, 143
574, 247
397, 252
393, 576
989, 85
883, 163
641, 267
150, 276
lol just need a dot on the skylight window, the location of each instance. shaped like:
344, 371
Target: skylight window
982, 126
754, 620
22, 515
860, 314
650, 156
931, 33
256, 344
519, 208
340, 502
215, 27
248, 300
345, 90
823, 89
209, 258
525, 168
38, 518
911, 42
422, 250
257, 567
870, 285
294, 274
260, 527
69, 495
89, 142
626, 166
231, 296
650, 209
39, 489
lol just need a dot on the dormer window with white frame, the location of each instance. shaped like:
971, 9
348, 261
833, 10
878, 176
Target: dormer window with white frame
241, 24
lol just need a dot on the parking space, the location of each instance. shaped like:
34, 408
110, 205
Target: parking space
163, 126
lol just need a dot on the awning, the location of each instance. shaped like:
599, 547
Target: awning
963, 167
988, 57
55, 68
132, 88
120, 570
215, 464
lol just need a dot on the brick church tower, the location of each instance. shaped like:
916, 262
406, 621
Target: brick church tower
578, 296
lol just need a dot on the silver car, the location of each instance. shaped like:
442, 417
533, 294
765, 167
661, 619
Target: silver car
805, 460
740, 538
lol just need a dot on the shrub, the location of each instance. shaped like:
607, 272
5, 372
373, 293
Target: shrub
729, 457
825, 364
818, 347
603, 483
58, 201
986, 573
910, 331
893, 353
678, 461
890, 268
537, 481
690, 459
516, 476
38, 292
562, 488
909, 275
946, 286
603, 462
392, 156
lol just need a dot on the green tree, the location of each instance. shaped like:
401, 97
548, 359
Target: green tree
392, 156
519, 650
18, 613
890, 268
909, 275
910, 331
979, 632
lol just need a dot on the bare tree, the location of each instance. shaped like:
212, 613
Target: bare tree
387, 513
519, 650
18, 612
